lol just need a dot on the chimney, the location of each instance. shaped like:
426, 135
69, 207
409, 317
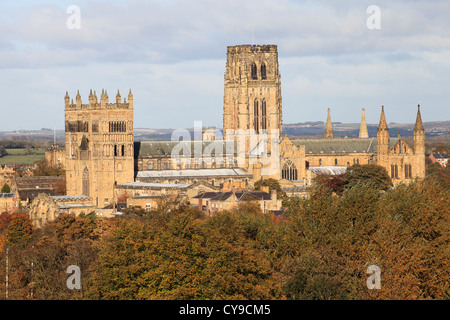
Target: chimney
273, 196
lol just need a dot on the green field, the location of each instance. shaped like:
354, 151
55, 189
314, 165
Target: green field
23, 156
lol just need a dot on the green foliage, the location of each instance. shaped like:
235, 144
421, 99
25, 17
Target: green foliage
43, 168
321, 250
6, 188
367, 173
272, 184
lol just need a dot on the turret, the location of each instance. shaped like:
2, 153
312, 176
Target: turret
130, 100
67, 100
382, 134
118, 97
78, 99
363, 133
104, 99
91, 99
329, 127
419, 134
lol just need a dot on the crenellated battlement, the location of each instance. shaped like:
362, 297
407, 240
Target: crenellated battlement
94, 103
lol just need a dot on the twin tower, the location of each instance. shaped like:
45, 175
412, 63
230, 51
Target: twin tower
99, 145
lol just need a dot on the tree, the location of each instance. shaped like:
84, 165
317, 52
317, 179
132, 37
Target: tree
19, 228
43, 168
335, 183
6, 188
367, 173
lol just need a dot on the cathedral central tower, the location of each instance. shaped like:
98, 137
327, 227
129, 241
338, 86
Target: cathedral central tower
252, 97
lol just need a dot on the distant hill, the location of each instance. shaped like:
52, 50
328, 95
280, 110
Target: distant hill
309, 129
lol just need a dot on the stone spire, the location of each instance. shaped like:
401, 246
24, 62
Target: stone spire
419, 124
382, 125
382, 134
328, 127
363, 133
419, 134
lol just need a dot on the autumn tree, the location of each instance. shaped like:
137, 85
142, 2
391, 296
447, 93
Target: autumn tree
367, 173
6, 188
43, 168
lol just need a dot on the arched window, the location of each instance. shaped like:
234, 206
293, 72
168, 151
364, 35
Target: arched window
115, 150
408, 173
85, 182
254, 71
335, 162
320, 162
289, 171
263, 71
263, 115
394, 171
256, 116
166, 165
150, 165
123, 150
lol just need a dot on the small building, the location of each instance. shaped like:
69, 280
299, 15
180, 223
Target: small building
28, 187
9, 202
211, 202
440, 158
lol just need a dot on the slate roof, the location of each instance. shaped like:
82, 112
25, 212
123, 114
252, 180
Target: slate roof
440, 155
164, 148
29, 187
153, 185
350, 145
241, 196
329, 170
220, 172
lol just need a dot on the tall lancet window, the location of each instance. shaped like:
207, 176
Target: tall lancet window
256, 116
85, 182
263, 71
254, 71
263, 115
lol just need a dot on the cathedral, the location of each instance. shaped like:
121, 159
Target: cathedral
102, 158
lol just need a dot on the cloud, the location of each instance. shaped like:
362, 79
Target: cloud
172, 54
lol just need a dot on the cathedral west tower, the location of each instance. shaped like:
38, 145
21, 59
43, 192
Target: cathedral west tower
99, 146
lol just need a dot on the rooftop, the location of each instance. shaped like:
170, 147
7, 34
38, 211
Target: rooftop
224, 172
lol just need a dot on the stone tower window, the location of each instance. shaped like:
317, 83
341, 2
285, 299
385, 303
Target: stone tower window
264, 115
256, 116
335, 162
123, 150
85, 182
263, 71
150, 166
320, 162
254, 71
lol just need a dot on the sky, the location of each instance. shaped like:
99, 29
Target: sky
172, 55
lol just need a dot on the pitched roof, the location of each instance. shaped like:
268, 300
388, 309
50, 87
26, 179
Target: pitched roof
162, 148
349, 145
227, 172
